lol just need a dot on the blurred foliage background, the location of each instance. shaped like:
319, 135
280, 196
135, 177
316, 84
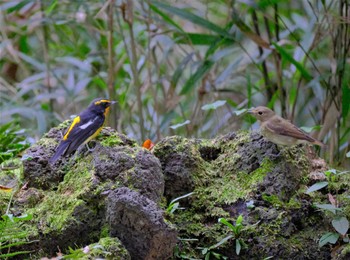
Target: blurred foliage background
178, 67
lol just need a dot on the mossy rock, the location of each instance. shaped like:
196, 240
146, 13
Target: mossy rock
68, 199
241, 174
109, 248
118, 189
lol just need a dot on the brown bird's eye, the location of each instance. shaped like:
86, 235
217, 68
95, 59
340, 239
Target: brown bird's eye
260, 113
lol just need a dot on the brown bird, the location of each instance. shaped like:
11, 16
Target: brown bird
279, 130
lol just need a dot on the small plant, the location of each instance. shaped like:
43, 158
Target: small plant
174, 204
236, 232
331, 175
12, 235
339, 222
12, 142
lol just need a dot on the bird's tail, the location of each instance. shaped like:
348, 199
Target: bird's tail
62, 147
319, 143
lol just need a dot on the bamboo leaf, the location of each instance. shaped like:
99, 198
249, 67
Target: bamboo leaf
165, 17
181, 124
201, 71
345, 97
288, 57
198, 39
245, 29
214, 105
192, 17
179, 70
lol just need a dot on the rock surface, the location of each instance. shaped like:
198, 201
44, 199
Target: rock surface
138, 223
69, 199
122, 191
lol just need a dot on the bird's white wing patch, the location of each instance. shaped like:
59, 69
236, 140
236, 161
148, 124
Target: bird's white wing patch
86, 125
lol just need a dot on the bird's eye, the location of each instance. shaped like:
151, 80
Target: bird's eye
260, 113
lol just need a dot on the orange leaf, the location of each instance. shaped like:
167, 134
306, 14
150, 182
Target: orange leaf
148, 144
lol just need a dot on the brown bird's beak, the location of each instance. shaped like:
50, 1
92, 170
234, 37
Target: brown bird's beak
251, 110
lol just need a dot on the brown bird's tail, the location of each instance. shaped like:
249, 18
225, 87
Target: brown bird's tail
319, 143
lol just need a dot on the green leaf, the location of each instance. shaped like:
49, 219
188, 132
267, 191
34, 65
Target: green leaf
239, 220
197, 38
298, 65
14, 253
245, 29
328, 238
328, 207
221, 242
165, 17
12, 6
201, 71
317, 186
309, 129
330, 172
214, 105
345, 98
227, 223
50, 8
181, 124
192, 17
238, 247
181, 197
179, 70
240, 112
173, 207
341, 225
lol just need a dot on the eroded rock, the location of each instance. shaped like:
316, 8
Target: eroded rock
68, 199
138, 223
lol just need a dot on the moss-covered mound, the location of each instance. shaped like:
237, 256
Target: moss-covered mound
233, 197
68, 200
241, 174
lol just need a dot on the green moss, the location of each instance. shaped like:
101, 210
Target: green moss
56, 209
297, 157
346, 250
107, 248
274, 200
230, 187
112, 140
104, 231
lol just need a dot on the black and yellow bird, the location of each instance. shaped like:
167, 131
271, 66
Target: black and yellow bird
86, 126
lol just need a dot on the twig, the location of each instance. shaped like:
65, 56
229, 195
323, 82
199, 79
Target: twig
45, 52
127, 13
111, 58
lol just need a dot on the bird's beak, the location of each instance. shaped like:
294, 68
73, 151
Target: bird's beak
251, 110
113, 102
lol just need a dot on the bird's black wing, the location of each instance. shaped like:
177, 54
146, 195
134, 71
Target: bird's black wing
82, 131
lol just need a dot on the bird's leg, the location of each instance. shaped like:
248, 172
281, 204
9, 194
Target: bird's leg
77, 152
93, 148
274, 156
